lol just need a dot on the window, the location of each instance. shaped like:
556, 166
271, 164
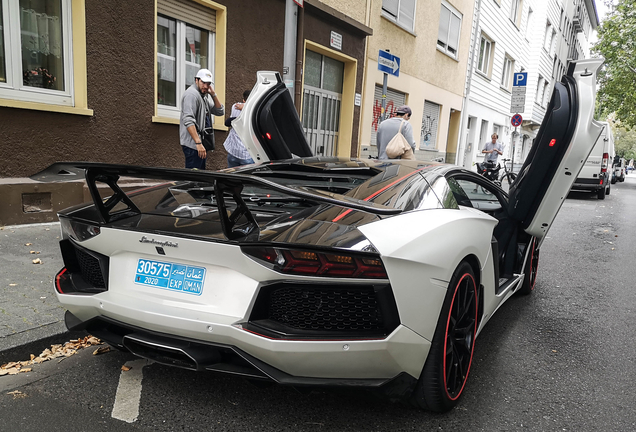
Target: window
549, 37
546, 95
516, 7
183, 47
402, 12
529, 24
539, 93
35, 51
450, 22
485, 54
506, 75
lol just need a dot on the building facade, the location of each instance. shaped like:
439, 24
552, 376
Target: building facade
432, 40
102, 81
532, 36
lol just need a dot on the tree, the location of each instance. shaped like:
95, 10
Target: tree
617, 79
624, 141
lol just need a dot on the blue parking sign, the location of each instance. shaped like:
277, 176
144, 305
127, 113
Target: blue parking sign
520, 79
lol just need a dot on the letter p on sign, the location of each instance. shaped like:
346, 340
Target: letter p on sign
520, 79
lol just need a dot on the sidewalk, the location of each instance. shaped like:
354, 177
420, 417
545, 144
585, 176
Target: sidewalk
29, 310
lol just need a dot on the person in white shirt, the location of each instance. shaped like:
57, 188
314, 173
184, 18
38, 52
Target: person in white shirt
237, 153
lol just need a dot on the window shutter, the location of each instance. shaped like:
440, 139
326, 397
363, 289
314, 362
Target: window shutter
453, 37
444, 21
391, 6
430, 121
189, 12
394, 100
407, 13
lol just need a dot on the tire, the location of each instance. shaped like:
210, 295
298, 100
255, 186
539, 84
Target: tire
507, 180
601, 194
607, 189
448, 363
530, 269
613, 181
622, 178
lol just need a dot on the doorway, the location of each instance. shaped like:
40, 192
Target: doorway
322, 99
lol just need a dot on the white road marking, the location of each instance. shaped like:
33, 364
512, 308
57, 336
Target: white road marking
128, 395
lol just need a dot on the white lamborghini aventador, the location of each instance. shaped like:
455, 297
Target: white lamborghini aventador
317, 271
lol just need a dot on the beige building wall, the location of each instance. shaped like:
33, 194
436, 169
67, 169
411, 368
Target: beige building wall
355, 9
426, 73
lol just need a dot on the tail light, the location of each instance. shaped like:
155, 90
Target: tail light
605, 162
316, 263
78, 231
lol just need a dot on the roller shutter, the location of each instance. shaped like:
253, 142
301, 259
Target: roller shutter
190, 12
394, 100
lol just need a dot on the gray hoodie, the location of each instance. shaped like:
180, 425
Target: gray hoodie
193, 113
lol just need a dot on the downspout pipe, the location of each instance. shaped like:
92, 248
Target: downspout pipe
289, 50
300, 48
471, 66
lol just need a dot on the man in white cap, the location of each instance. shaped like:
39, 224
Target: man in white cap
198, 104
390, 127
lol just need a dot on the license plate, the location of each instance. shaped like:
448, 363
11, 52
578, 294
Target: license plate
171, 276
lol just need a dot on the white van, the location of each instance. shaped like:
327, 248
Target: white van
595, 176
618, 169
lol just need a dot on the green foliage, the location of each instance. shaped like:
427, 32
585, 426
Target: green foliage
624, 141
617, 79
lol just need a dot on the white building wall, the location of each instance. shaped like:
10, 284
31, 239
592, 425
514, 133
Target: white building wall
487, 102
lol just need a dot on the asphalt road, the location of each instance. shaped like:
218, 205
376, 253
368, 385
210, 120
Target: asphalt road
559, 360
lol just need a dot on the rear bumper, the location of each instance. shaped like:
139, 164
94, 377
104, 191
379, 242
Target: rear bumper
210, 356
402, 351
584, 184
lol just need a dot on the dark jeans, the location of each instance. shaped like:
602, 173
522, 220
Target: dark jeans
192, 159
234, 161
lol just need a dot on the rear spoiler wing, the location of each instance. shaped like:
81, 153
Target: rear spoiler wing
224, 183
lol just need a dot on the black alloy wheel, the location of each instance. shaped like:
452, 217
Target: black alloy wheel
530, 269
448, 363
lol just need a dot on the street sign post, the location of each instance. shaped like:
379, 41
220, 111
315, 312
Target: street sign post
518, 98
520, 79
516, 120
517, 105
389, 64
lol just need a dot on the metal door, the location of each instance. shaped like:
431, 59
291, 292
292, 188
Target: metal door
321, 119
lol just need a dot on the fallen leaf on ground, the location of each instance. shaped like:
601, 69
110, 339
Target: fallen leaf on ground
13, 284
28, 244
55, 351
34, 252
37, 261
101, 350
17, 394
126, 368
554, 350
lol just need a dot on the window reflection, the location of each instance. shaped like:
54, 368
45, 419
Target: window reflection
166, 61
41, 39
196, 53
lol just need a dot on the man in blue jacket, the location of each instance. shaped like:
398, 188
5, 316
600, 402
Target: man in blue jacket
198, 104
